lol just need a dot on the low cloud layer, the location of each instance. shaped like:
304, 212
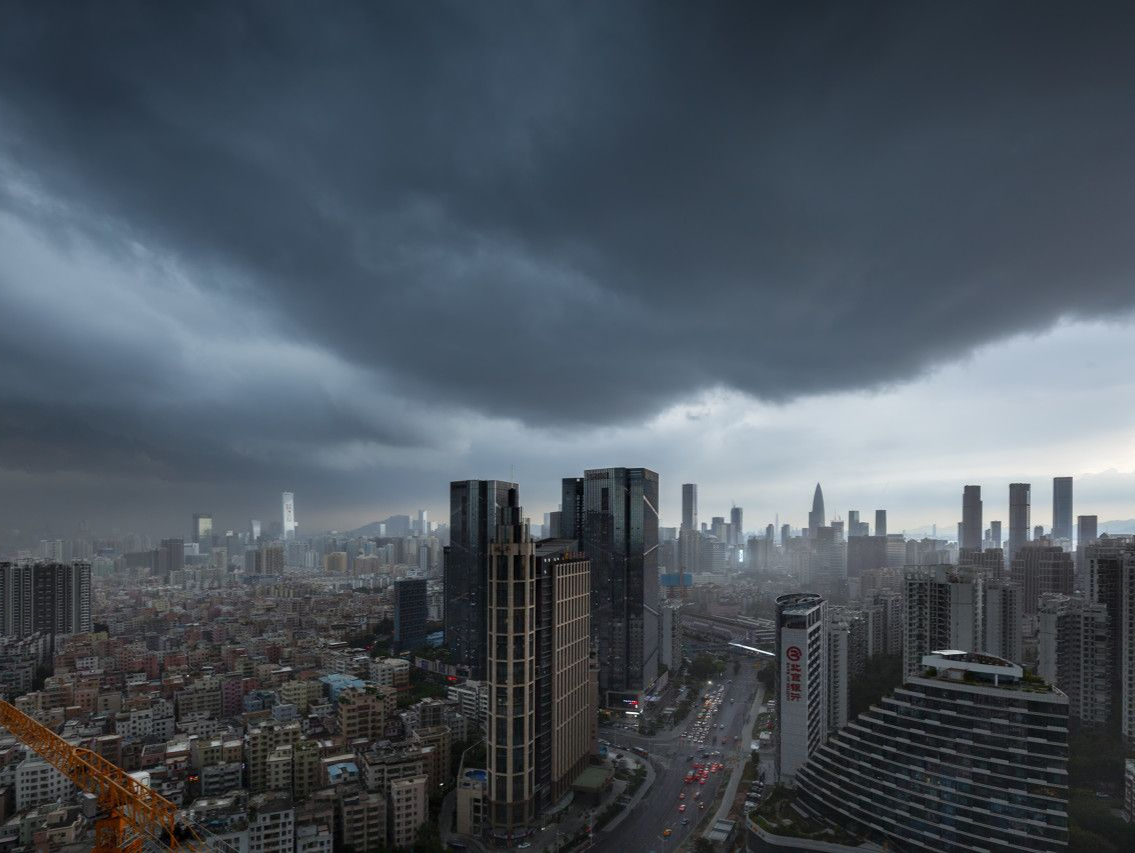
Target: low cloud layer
245, 246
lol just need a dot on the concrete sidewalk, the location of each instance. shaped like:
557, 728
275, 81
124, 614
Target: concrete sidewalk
637, 798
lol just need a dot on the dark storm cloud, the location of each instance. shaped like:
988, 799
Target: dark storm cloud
580, 212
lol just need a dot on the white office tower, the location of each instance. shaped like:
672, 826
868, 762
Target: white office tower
943, 611
802, 706
289, 529
970, 754
1001, 630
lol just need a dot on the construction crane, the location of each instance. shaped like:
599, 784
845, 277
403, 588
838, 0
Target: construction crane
132, 815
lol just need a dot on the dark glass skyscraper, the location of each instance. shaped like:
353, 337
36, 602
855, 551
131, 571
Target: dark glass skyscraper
616, 523
1020, 499
410, 611
473, 515
973, 530
1062, 508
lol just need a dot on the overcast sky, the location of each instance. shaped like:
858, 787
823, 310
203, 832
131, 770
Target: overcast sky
358, 251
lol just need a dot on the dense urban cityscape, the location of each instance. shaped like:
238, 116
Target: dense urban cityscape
592, 679
320, 321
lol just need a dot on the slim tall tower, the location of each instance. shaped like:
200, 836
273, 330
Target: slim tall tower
880, 522
1062, 508
816, 518
289, 508
1020, 499
995, 533
1087, 529
474, 509
689, 506
736, 516
972, 521
802, 706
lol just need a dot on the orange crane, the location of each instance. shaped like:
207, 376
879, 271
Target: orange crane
131, 813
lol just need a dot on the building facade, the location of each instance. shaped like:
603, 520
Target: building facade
802, 705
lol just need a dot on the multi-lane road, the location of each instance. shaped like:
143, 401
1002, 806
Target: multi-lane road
641, 831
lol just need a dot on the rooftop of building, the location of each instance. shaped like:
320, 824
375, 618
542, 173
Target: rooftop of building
983, 670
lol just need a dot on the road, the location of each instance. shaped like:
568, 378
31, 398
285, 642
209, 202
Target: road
641, 830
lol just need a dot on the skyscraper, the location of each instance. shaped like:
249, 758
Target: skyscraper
1019, 509
689, 506
995, 533
203, 529
616, 524
802, 707
253, 531
1087, 529
289, 516
880, 522
474, 507
972, 522
943, 611
737, 526
1062, 508
816, 518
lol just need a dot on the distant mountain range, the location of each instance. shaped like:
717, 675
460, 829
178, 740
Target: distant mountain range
1125, 526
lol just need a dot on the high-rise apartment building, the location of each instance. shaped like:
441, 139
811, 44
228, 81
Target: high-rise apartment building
973, 526
1039, 568
203, 529
410, 611
615, 520
288, 529
910, 774
1020, 499
943, 611
816, 518
474, 507
803, 710
1062, 508
50, 598
1073, 644
1001, 626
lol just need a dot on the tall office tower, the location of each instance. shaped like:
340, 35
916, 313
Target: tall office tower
785, 535
554, 525
474, 508
900, 775
1062, 508
253, 531
203, 529
880, 522
972, 522
829, 569
51, 598
1038, 532
288, 531
802, 708
816, 517
689, 506
855, 527
566, 707
995, 533
1001, 628
410, 612
617, 527
1087, 527
943, 611
1019, 508
539, 639
737, 525
1040, 568
510, 732
423, 522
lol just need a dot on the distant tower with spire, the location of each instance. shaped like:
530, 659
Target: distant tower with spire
816, 518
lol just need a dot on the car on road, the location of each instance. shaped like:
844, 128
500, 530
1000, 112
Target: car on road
667, 832
682, 807
685, 821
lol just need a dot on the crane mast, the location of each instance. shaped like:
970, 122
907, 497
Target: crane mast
132, 814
